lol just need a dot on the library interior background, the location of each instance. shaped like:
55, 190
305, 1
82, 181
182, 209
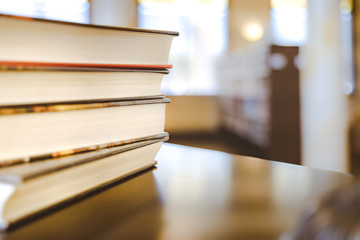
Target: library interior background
276, 79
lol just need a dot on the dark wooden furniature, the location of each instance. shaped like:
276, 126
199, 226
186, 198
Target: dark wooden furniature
192, 194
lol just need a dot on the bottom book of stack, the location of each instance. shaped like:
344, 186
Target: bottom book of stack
29, 189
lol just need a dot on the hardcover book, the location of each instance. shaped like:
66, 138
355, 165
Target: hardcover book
32, 130
38, 40
80, 108
74, 84
29, 189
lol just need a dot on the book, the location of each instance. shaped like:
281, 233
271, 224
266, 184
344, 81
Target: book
77, 84
34, 130
80, 108
48, 41
71, 66
67, 152
121, 203
30, 189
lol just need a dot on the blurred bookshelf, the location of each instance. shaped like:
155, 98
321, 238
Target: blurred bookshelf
259, 99
244, 93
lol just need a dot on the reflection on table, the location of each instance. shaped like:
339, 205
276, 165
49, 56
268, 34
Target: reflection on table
192, 194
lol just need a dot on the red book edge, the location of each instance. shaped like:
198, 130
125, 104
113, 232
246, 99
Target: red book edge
83, 65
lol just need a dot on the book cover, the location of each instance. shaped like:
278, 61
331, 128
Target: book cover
73, 66
132, 29
78, 105
24, 172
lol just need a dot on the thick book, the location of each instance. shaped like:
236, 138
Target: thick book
104, 213
37, 85
33, 130
29, 189
27, 39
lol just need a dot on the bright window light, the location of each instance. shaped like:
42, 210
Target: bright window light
63, 10
203, 37
289, 22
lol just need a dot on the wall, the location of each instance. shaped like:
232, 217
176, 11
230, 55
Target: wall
243, 12
192, 114
114, 12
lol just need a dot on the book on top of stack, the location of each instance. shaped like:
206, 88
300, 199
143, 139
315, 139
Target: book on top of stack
80, 108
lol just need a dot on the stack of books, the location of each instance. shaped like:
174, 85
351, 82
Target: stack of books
80, 107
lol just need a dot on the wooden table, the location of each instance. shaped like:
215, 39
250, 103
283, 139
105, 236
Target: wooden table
192, 194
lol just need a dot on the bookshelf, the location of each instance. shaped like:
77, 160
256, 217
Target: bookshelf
259, 98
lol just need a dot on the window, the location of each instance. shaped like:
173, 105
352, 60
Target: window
289, 22
64, 10
203, 37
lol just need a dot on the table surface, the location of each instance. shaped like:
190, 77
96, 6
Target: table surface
192, 194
